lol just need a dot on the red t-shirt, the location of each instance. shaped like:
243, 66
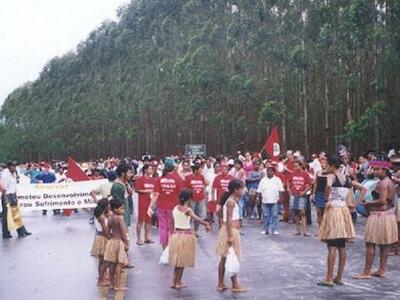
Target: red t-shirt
169, 187
196, 183
290, 165
145, 183
221, 183
298, 182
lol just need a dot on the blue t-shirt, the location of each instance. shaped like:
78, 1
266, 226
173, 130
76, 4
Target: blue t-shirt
46, 178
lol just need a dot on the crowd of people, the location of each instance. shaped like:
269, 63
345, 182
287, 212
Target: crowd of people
178, 194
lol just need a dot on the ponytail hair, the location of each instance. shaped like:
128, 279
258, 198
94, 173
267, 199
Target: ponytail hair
233, 185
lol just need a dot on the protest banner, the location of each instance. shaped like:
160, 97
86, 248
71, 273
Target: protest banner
57, 195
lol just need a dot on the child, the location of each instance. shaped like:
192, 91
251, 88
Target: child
100, 241
336, 225
118, 244
229, 234
182, 243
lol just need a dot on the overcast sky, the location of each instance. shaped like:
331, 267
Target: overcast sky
34, 31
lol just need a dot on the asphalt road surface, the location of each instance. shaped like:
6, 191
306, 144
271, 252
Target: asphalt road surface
54, 263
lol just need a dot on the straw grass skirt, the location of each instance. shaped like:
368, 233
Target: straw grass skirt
115, 252
182, 249
222, 242
381, 228
336, 224
99, 245
398, 210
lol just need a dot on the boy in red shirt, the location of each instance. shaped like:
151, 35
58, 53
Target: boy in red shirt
299, 184
197, 184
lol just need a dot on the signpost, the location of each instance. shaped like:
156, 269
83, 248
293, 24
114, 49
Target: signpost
196, 150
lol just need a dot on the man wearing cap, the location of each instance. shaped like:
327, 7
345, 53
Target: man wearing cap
46, 177
270, 190
9, 201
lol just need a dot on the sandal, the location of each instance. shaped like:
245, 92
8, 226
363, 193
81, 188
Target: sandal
297, 233
337, 282
239, 290
222, 288
378, 274
149, 242
362, 276
325, 283
139, 243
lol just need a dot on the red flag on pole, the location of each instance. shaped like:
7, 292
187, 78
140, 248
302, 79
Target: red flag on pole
76, 174
272, 145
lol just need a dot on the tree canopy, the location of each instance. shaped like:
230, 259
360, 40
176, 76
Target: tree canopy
218, 72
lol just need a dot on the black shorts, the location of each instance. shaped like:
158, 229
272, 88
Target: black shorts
338, 243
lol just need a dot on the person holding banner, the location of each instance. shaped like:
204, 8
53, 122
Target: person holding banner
11, 210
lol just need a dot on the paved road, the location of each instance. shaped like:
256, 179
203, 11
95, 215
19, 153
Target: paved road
54, 263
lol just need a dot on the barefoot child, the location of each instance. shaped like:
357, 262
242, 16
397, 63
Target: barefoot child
336, 225
100, 241
182, 243
229, 235
118, 244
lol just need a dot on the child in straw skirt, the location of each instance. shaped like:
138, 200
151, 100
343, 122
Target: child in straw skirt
182, 243
118, 244
100, 241
381, 228
336, 225
229, 234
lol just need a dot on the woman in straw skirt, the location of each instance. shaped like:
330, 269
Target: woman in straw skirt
381, 228
336, 225
182, 243
229, 234
100, 241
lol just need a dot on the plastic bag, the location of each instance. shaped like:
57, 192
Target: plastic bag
232, 264
164, 259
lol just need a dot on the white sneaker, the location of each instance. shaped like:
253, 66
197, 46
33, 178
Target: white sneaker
263, 232
275, 233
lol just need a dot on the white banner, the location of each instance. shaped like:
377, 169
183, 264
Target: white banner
57, 195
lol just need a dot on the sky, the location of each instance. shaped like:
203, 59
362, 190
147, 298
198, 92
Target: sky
34, 31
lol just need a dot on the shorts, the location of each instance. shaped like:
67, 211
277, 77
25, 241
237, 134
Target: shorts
298, 203
337, 243
320, 200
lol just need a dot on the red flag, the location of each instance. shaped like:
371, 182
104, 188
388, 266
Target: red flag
76, 174
272, 145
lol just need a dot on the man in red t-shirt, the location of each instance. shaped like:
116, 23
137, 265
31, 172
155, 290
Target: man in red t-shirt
166, 195
220, 186
197, 184
299, 183
144, 186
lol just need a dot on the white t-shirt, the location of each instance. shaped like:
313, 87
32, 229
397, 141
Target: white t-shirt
9, 181
270, 189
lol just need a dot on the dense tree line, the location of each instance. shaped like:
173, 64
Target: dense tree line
219, 72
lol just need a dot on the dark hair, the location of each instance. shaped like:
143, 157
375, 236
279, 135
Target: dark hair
239, 162
115, 204
111, 176
184, 196
145, 167
334, 161
233, 185
101, 207
121, 169
196, 167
